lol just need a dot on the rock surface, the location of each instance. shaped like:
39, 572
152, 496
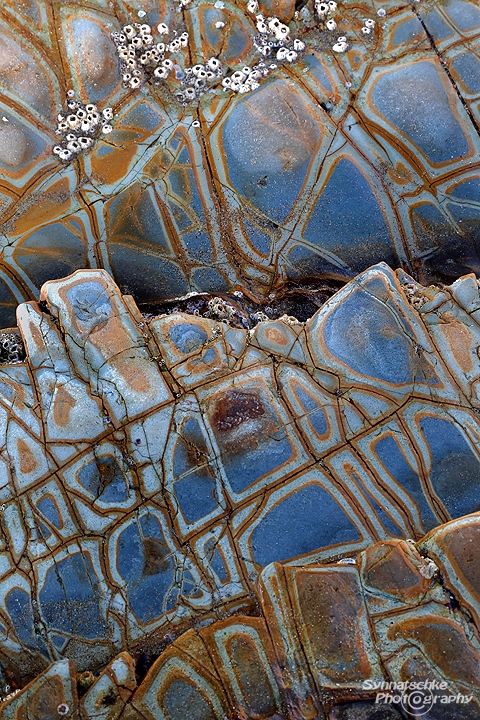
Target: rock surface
335, 162
324, 641
152, 468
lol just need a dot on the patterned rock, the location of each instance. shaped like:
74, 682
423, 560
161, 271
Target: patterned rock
329, 642
335, 161
152, 467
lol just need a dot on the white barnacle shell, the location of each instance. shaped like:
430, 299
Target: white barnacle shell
167, 63
73, 121
57, 149
369, 23
282, 31
291, 56
85, 126
85, 142
366, 30
262, 26
163, 29
235, 85
62, 126
145, 28
161, 72
238, 76
81, 113
213, 64
298, 45
190, 94
65, 154
129, 31
107, 113
226, 82
331, 24
252, 6
332, 5
74, 146
90, 108
273, 23
244, 88
70, 137
107, 129
340, 46
321, 8
281, 53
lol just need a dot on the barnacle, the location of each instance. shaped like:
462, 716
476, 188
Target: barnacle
80, 127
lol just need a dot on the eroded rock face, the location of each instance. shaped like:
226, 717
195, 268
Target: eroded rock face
151, 468
329, 641
334, 162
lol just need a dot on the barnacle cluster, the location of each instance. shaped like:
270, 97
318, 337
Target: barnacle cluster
416, 295
324, 11
221, 309
79, 127
142, 58
12, 349
368, 26
272, 41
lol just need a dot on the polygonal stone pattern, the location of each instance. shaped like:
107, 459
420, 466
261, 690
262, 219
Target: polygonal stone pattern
325, 640
151, 468
333, 163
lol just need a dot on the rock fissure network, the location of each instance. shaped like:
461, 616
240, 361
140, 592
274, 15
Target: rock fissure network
200, 521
